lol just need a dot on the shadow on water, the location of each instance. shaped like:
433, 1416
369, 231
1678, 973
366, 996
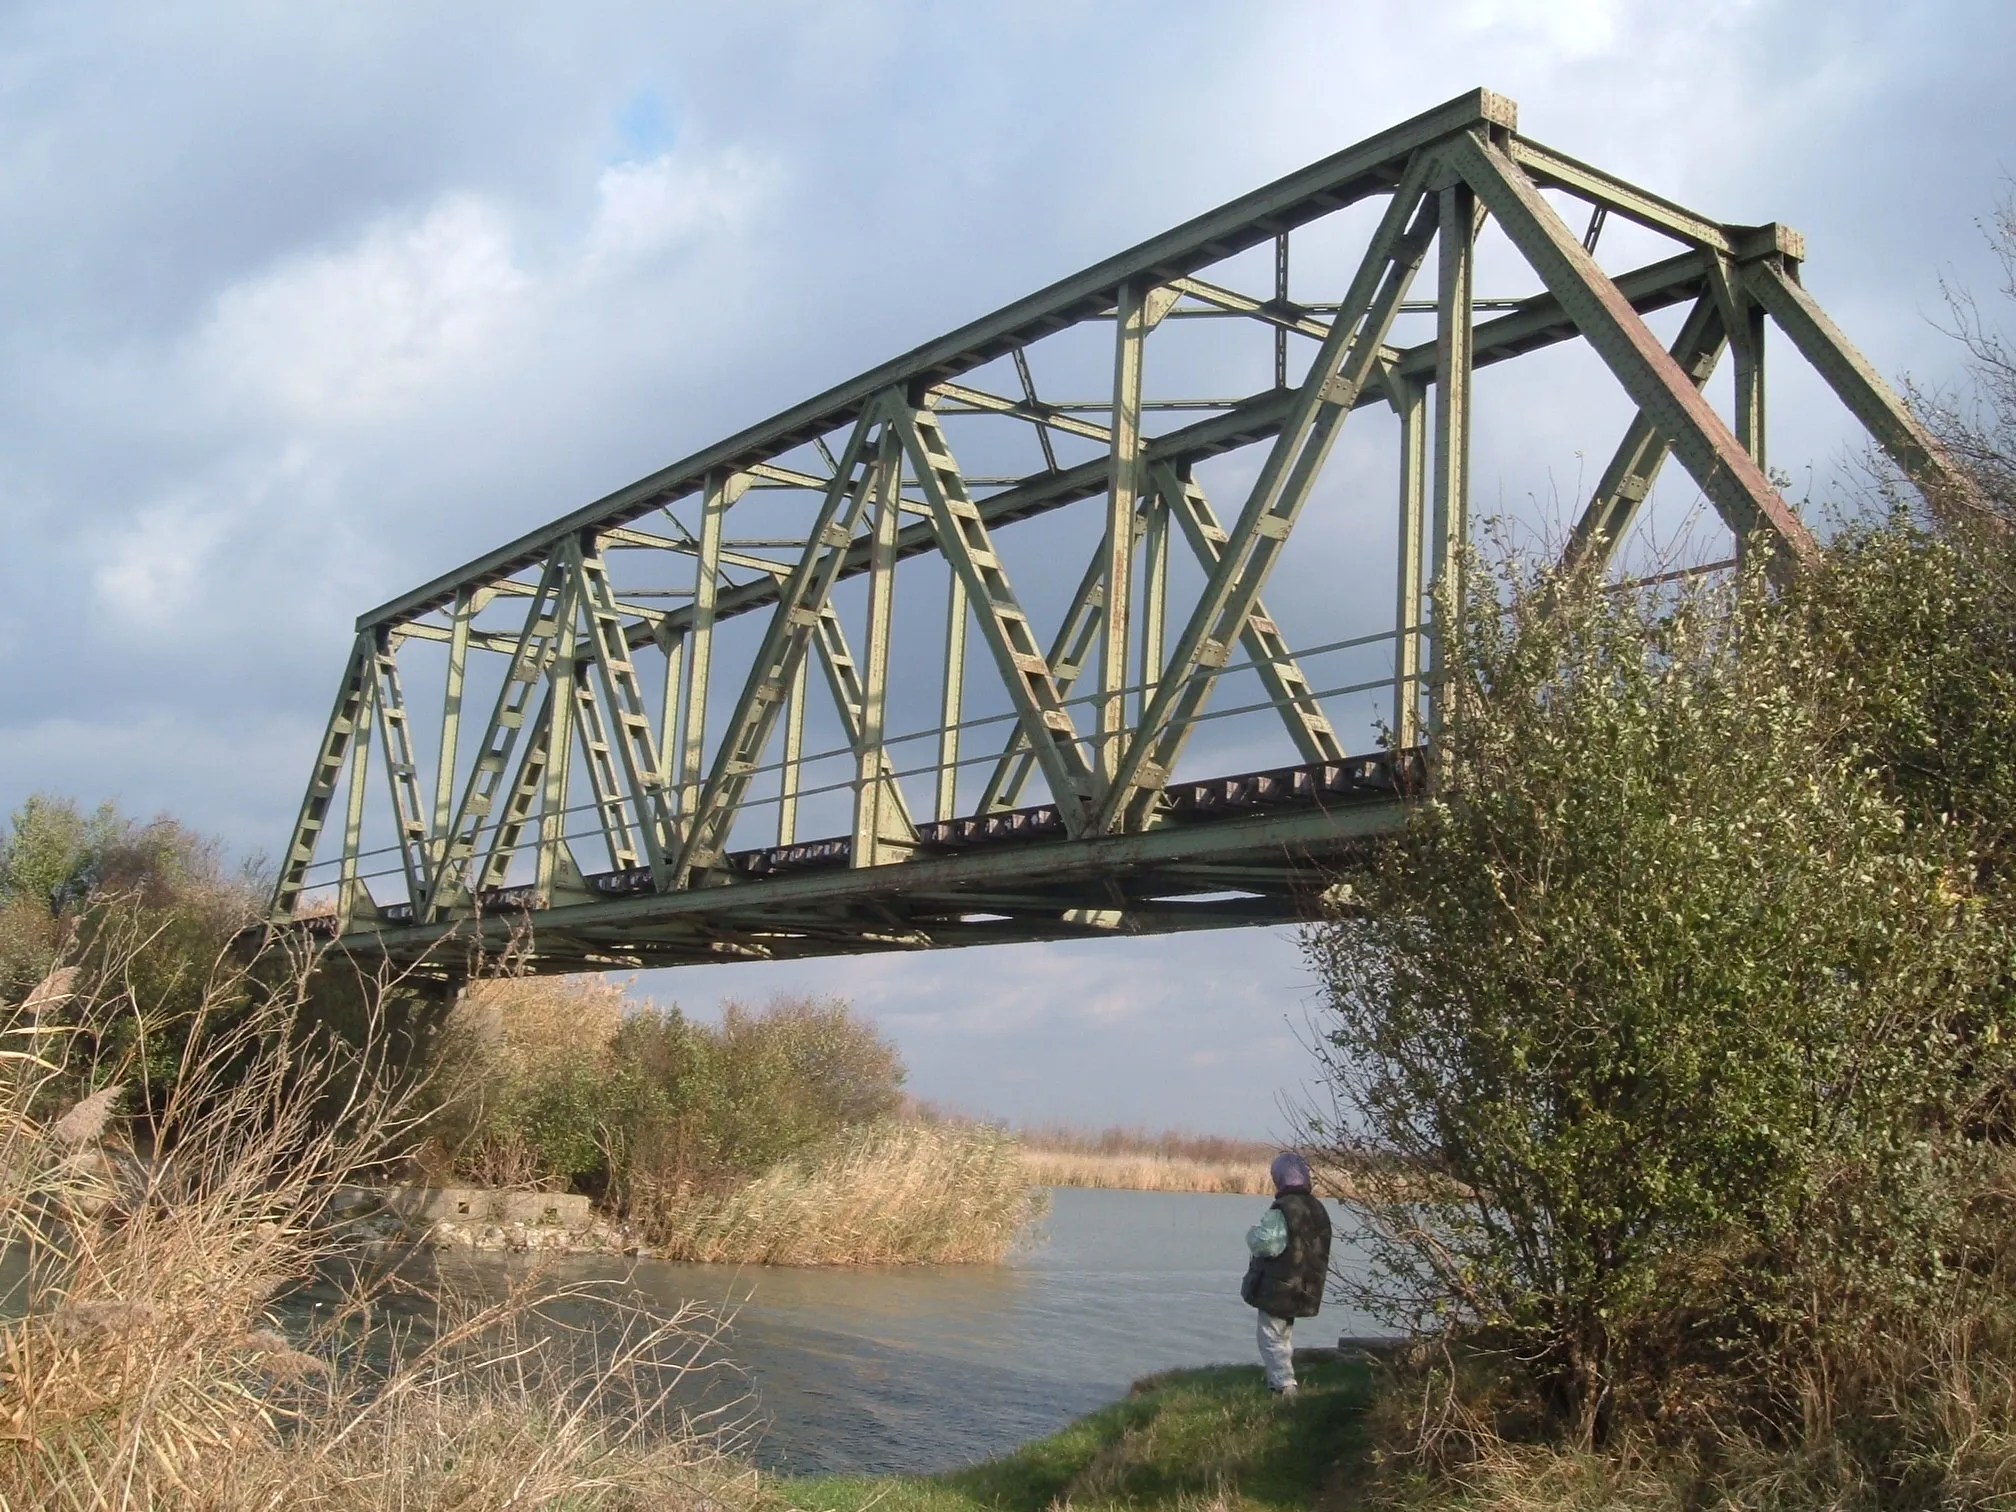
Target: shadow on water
908, 1369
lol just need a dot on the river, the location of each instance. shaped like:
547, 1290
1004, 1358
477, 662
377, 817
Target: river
918, 1368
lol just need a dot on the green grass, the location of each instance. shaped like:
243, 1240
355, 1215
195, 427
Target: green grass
1186, 1439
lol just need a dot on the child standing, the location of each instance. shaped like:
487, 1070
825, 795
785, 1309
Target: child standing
1291, 1261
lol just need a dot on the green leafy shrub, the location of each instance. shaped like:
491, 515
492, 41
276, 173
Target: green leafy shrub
553, 1083
1654, 1034
144, 913
711, 1106
1916, 619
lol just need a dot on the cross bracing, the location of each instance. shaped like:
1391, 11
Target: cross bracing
960, 650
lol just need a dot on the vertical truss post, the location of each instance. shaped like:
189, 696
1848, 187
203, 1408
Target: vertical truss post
1123, 489
1342, 367
353, 895
952, 702
672, 641
1410, 405
794, 748
714, 502
402, 774
522, 675
1634, 467
1455, 251
1750, 412
1281, 303
964, 538
467, 602
339, 734
565, 673
871, 764
773, 673
1743, 319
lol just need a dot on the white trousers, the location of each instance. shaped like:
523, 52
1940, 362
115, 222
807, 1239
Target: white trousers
1277, 1350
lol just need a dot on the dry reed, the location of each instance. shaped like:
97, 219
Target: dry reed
1165, 1144
892, 1194
1166, 1173
1918, 1413
148, 1364
1145, 1173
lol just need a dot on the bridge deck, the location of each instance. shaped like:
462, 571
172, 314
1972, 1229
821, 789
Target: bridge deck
1253, 849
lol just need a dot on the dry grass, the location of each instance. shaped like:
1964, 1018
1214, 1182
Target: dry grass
1918, 1415
893, 1194
1163, 1144
1146, 1173
149, 1365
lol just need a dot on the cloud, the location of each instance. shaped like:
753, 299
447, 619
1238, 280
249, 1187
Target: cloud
1571, 29
647, 209
308, 306
330, 338
152, 570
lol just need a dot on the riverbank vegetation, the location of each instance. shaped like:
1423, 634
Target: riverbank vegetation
1145, 1161
771, 1137
886, 1194
1696, 984
161, 1210
1189, 1439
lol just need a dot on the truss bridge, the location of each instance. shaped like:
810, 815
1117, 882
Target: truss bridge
961, 650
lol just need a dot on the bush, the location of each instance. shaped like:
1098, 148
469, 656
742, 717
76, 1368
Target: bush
708, 1108
550, 1083
141, 912
525, 1078
1654, 1035
1916, 618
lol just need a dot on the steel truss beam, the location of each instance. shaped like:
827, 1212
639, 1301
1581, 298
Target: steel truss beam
601, 644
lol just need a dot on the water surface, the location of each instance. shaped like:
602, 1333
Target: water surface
916, 1368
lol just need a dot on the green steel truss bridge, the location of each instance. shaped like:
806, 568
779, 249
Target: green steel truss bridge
785, 698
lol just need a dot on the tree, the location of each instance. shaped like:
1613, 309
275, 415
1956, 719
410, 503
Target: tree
1657, 988
145, 910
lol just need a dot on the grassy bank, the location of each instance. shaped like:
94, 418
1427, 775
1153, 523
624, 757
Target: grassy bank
1190, 1439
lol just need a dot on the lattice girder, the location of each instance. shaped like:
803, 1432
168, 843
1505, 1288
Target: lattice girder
681, 707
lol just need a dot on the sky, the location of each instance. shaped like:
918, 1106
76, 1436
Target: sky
304, 305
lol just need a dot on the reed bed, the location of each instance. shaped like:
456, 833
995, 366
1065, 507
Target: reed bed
1165, 1144
1145, 1173
892, 1194
159, 1223
1164, 1173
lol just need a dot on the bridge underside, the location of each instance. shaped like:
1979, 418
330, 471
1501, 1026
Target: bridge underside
1261, 848
989, 684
